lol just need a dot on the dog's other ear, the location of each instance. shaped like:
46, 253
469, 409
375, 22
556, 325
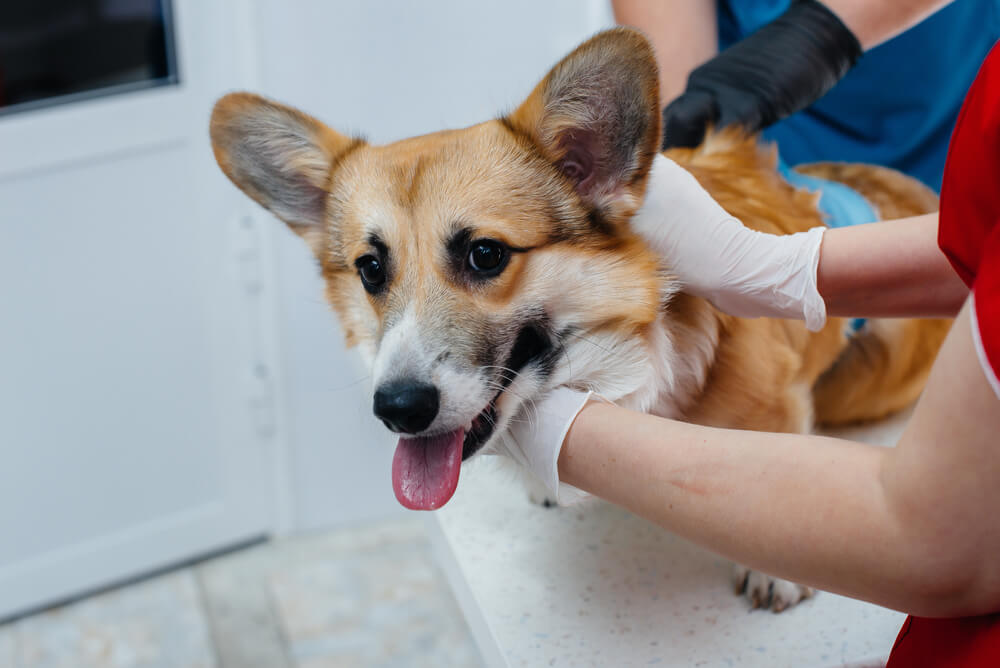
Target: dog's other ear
280, 157
596, 116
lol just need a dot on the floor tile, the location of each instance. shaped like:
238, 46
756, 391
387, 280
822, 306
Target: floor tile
245, 629
7, 645
369, 598
157, 623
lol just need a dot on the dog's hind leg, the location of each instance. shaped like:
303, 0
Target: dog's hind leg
882, 370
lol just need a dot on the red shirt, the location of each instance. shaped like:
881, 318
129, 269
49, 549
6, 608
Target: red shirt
969, 234
970, 209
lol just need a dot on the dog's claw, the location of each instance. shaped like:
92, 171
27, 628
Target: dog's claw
740, 584
764, 592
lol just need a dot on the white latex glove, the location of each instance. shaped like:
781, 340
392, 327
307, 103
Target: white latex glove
535, 438
741, 271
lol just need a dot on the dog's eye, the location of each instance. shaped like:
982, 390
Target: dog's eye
371, 271
487, 257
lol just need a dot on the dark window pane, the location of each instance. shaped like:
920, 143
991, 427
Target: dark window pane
58, 50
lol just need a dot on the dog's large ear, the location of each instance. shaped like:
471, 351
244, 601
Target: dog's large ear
280, 157
596, 116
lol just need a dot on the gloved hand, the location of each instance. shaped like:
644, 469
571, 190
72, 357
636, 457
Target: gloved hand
782, 68
535, 437
741, 271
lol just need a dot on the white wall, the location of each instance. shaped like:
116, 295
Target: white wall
387, 69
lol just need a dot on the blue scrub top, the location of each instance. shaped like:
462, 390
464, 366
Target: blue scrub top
898, 105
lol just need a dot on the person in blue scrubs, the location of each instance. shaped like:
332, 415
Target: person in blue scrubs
827, 81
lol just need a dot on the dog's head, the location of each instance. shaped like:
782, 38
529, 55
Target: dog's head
476, 268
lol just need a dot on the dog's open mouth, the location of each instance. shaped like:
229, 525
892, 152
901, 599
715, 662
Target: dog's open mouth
481, 429
425, 468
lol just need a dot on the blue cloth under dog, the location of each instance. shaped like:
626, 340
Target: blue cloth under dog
840, 205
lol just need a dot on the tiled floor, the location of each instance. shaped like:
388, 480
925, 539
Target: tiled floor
362, 597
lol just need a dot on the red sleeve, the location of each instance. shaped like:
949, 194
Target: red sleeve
968, 231
986, 310
966, 642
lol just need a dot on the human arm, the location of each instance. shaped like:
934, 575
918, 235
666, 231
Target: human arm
684, 34
910, 528
754, 83
881, 269
889, 269
876, 22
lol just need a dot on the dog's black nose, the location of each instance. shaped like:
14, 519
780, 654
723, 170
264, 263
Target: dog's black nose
406, 406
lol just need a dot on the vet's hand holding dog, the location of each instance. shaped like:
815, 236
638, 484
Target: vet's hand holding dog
910, 527
755, 83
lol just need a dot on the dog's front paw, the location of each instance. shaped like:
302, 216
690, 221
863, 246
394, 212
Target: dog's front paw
764, 591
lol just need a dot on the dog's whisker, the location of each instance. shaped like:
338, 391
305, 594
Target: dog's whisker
564, 351
497, 387
580, 337
353, 383
509, 374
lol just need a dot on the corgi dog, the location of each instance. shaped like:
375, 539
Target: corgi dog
477, 269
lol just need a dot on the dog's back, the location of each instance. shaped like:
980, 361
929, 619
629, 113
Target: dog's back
864, 376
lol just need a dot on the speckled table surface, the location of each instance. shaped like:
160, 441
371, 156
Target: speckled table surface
594, 585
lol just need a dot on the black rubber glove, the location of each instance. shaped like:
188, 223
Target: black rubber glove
782, 68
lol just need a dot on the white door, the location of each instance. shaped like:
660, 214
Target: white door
136, 427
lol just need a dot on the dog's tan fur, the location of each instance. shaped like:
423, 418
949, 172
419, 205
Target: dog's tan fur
558, 180
877, 372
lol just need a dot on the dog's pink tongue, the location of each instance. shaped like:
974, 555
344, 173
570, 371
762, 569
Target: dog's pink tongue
425, 470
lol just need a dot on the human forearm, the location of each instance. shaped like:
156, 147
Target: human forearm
683, 33
806, 508
877, 22
907, 527
888, 269
753, 83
